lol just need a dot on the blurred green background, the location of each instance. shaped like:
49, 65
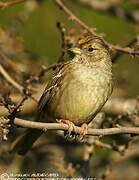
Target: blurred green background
42, 37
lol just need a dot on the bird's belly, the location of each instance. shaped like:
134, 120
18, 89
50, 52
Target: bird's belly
81, 99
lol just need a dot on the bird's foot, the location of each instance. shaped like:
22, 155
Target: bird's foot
71, 126
84, 131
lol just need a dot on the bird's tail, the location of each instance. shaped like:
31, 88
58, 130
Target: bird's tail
25, 141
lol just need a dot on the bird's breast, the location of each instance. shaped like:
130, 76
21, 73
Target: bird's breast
82, 96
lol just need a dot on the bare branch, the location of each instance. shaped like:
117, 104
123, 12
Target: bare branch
74, 18
20, 88
10, 80
2, 4
118, 54
42, 72
92, 31
63, 45
60, 126
4, 128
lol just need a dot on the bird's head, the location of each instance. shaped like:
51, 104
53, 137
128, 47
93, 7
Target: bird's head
91, 48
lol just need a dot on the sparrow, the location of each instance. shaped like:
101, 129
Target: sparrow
76, 93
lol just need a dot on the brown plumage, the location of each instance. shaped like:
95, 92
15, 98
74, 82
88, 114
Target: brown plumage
77, 91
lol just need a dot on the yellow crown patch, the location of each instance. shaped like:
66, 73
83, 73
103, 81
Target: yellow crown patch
85, 40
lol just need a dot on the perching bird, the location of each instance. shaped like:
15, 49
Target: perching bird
76, 92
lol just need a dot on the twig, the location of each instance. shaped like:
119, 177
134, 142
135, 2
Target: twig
74, 18
16, 109
52, 66
42, 72
62, 31
10, 80
4, 128
7, 63
92, 31
2, 4
60, 126
20, 88
118, 54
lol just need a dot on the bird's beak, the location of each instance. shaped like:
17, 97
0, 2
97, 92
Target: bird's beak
75, 50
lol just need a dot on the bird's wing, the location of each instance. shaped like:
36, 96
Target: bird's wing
51, 88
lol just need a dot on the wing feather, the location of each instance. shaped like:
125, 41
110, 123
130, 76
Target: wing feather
50, 88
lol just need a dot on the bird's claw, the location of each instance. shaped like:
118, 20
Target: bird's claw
71, 126
84, 131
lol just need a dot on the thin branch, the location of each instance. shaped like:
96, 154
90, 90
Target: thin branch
74, 18
20, 88
92, 31
63, 45
10, 80
17, 108
7, 63
52, 66
4, 128
44, 69
118, 54
60, 126
2, 4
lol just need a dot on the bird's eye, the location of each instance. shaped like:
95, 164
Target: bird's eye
90, 49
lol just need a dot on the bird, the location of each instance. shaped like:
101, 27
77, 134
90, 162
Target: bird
76, 92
